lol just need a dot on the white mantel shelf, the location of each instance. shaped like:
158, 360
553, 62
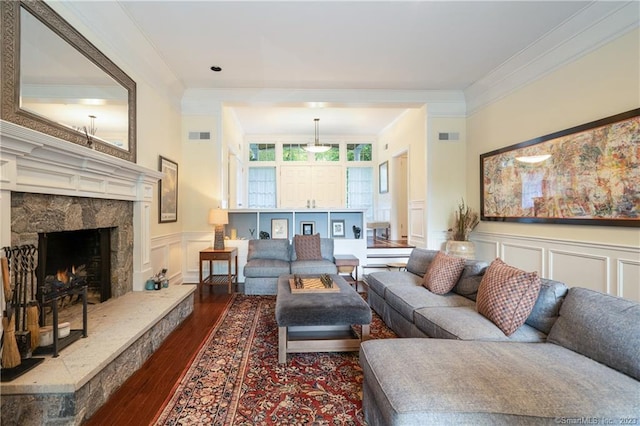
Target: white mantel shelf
31, 161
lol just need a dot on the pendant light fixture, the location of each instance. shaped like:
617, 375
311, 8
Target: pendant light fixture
315, 146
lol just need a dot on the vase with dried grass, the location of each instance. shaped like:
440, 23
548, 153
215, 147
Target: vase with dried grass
466, 219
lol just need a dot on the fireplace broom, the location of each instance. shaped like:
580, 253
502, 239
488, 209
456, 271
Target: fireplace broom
10, 352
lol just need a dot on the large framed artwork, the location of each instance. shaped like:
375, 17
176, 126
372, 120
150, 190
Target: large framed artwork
585, 175
168, 191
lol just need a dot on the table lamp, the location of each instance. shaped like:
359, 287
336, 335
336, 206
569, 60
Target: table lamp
218, 218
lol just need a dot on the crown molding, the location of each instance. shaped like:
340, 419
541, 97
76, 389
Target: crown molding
198, 101
596, 25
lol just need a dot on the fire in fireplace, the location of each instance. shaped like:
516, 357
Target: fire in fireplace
69, 258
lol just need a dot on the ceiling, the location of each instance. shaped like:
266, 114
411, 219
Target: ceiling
340, 45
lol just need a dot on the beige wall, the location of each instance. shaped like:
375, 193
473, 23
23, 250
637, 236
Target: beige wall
407, 134
447, 176
602, 83
202, 173
158, 135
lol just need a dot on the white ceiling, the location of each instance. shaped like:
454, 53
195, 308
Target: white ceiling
340, 45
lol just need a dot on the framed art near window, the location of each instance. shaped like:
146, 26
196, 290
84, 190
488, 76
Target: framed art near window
337, 228
585, 175
168, 191
307, 228
280, 229
383, 176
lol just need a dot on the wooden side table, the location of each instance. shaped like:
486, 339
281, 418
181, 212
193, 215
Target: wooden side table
211, 255
348, 263
400, 266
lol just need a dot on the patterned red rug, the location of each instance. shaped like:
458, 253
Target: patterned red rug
235, 379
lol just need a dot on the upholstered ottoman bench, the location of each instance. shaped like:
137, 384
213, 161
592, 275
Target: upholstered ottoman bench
320, 322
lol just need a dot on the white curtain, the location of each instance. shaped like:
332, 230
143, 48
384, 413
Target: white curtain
360, 190
262, 187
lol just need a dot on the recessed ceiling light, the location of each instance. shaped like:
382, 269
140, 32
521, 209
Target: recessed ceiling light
216, 69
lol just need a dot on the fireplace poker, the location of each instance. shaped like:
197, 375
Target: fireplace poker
32, 307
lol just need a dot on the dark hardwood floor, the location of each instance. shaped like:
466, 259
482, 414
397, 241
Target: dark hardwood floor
383, 243
140, 398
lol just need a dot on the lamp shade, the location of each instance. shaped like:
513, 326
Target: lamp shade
218, 217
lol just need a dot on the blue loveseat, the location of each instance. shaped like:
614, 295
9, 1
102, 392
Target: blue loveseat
268, 259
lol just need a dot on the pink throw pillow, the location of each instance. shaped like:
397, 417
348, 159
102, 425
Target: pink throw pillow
307, 247
443, 273
506, 295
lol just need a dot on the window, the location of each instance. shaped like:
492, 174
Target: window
360, 189
332, 155
294, 152
262, 187
262, 152
358, 152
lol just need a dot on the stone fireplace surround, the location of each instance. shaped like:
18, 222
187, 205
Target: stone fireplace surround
43, 213
48, 183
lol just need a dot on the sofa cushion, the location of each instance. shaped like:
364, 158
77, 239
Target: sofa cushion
506, 295
313, 267
406, 299
470, 279
465, 323
449, 382
443, 273
419, 260
379, 281
602, 327
307, 247
547, 306
269, 249
266, 268
326, 250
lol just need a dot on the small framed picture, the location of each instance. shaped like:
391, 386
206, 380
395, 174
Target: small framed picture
279, 229
337, 228
168, 191
307, 228
383, 177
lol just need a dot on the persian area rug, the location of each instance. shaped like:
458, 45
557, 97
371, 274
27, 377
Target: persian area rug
235, 378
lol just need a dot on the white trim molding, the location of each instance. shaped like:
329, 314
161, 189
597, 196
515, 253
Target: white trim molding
609, 268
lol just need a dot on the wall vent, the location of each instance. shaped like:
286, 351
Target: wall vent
450, 136
199, 136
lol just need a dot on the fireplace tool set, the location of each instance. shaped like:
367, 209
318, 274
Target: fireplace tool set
20, 320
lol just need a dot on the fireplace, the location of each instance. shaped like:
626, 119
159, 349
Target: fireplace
68, 256
76, 231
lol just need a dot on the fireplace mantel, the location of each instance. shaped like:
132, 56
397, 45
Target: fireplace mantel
33, 162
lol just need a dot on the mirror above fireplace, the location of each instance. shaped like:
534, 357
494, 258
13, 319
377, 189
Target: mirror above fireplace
57, 82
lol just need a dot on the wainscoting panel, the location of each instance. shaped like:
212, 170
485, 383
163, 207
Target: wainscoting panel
628, 272
525, 257
486, 249
417, 235
580, 269
193, 243
609, 268
166, 252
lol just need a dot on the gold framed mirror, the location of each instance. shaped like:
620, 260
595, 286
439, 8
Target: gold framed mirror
57, 82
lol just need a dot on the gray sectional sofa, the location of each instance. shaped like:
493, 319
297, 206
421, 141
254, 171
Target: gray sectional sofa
575, 360
268, 259
411, 310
